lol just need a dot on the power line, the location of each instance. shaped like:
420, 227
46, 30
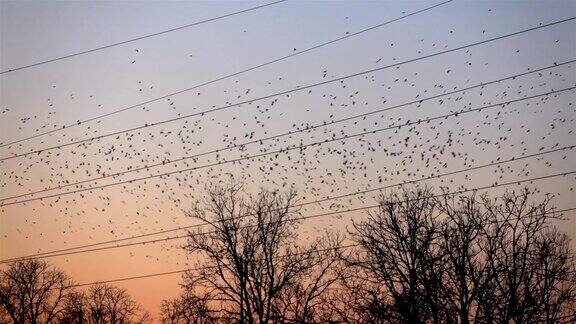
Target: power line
271, 96
202, 113
284, 150
158, 274
64, 252
204, 267
228, 75
209, 267
260, 140
140, 38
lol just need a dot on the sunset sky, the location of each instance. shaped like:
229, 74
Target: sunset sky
49, 96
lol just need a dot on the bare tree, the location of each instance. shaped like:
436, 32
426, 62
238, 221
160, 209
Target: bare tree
102, 303
400, 260
464, 243
461, 259
255, 271
119, 306
356, 300
554, 282
109, 304
186, 309
531, 263
96, 301
75, 309
33, 292
303, 300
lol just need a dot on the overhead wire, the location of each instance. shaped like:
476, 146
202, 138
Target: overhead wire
209, 267
289, 133
227, 106
287, 149
203, 268
23, 67
227, 76
66, 251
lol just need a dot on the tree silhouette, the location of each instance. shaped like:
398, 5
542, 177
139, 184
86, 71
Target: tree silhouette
33, 292
430, 259
418, 258
531, 265
399, 252
103, 303
186, 309
467, 274
75, 309
254, 269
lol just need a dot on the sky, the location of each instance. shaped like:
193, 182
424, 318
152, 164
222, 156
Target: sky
48, 96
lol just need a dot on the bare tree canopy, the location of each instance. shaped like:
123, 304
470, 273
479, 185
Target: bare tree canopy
186, 309
419, 257
255, 269
101, 304
399, 253
428, 259
33, 292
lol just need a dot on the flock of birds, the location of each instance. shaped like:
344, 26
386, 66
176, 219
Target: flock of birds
408, 123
